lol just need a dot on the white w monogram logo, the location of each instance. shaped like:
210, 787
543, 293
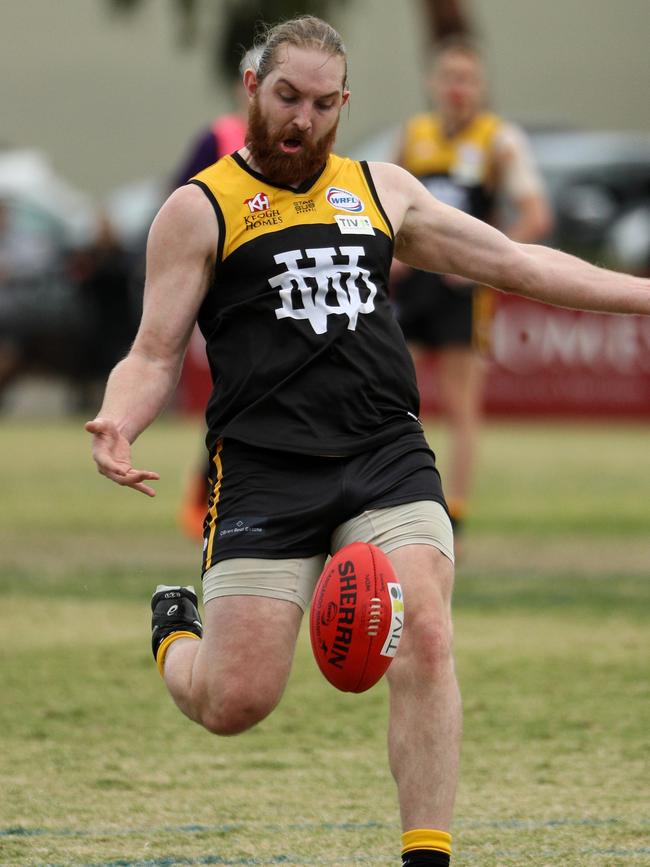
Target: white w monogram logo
313, 287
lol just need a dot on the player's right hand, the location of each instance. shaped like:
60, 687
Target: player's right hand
112, 454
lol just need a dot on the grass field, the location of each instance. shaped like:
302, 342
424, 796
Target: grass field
552, 603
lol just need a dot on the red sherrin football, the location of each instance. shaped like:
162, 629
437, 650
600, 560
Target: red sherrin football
357, 617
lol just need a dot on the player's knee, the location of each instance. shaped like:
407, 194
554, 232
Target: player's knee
434, 648
426, 649
236, 709
231, 721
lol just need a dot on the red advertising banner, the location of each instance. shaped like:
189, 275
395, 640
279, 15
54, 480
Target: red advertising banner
545, 362
195, 384
552, 362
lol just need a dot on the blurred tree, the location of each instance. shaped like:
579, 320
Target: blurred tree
447, 18
242, 18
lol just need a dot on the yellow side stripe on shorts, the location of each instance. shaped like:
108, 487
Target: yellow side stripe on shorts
213, 510
483, 311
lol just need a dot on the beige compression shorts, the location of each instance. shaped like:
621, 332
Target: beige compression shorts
421, 523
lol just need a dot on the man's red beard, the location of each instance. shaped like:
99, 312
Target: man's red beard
283, 168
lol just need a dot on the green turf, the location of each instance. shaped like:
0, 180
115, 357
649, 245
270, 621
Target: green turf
552, 600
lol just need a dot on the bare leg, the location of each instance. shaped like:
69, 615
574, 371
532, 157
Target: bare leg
425, 709
237, 673
462, 373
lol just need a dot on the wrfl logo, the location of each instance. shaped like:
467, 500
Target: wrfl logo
345, 200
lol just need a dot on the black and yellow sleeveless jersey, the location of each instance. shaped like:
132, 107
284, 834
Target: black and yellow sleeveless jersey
459, 169
304, 350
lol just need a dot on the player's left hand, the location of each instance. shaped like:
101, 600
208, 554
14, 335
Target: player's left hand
112, 454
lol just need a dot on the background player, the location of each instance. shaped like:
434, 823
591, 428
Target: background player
224, 135
473, 160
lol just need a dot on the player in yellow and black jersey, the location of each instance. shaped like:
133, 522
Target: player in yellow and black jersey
282, 252
473, 160
299, 295
308, 264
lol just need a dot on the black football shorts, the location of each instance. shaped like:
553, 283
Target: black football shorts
433, 314
275, 505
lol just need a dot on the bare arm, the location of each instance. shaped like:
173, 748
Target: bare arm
435, 237
533, 219
519, 180
180, 258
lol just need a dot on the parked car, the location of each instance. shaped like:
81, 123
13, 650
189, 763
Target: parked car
64, 279
51, 204
598, 184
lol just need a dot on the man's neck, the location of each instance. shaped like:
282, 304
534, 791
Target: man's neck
452, 124
247, 156
249, 159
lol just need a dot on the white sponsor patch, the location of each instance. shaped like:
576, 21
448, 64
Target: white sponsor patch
396, 621
349, 225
